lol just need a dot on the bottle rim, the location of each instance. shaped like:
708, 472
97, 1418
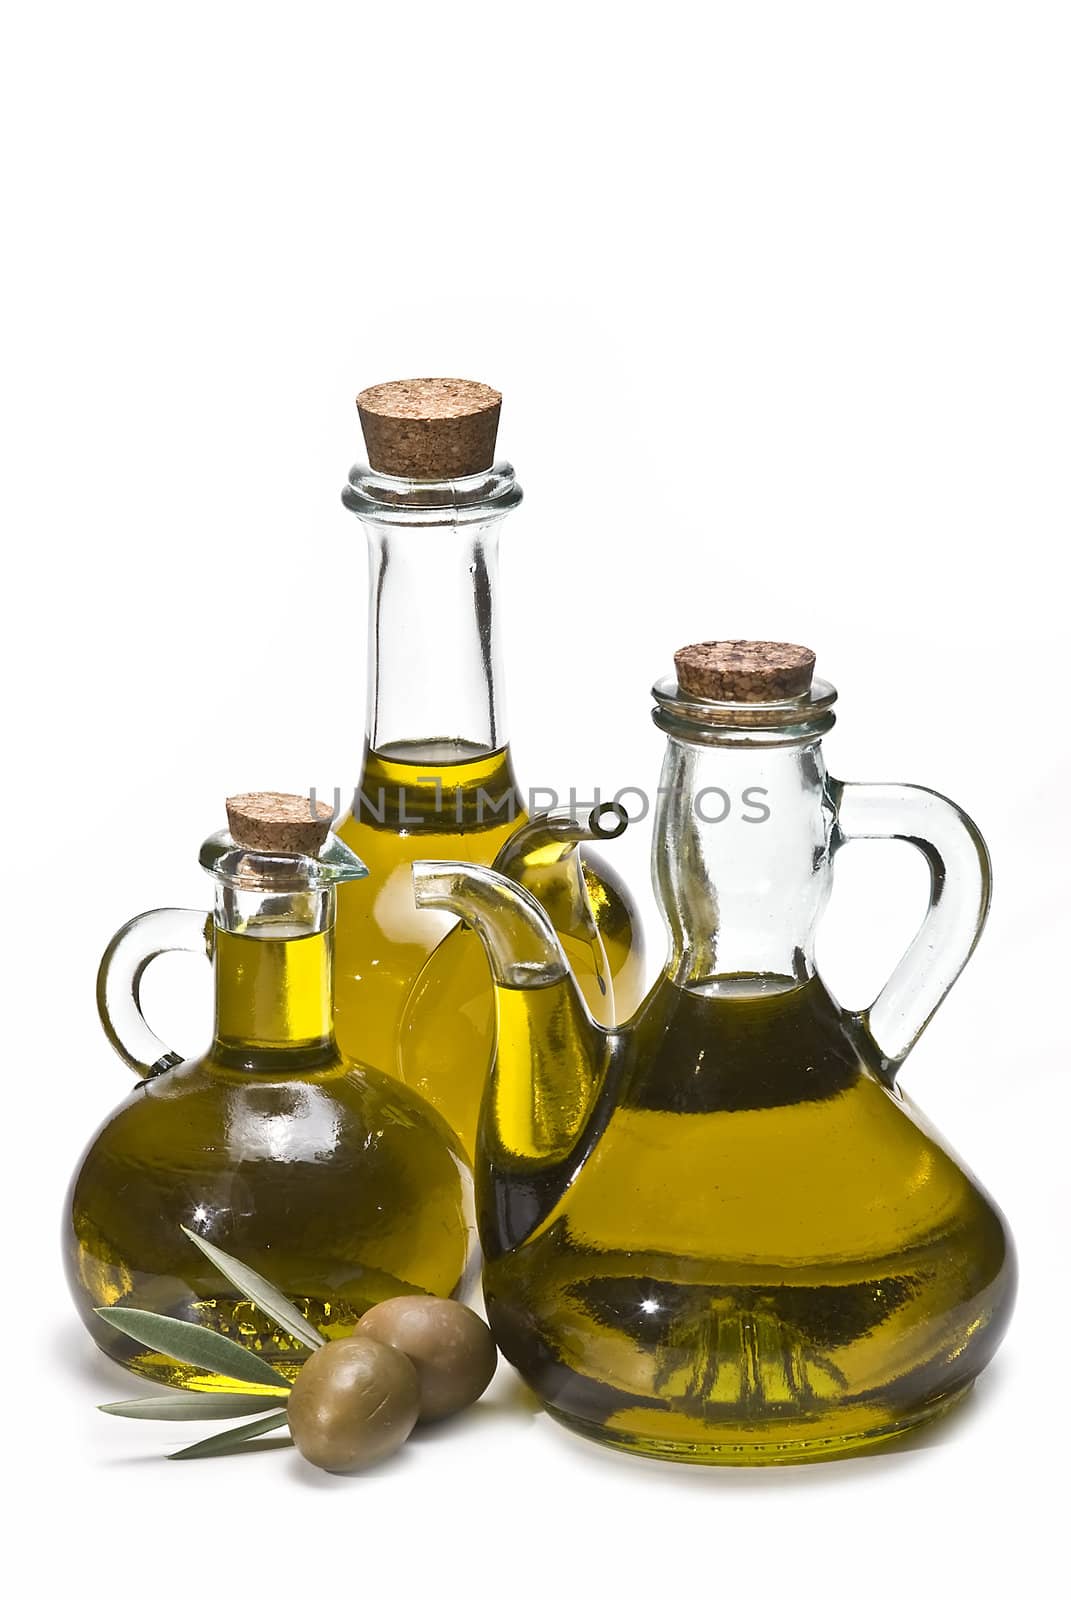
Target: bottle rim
795, 721
241, 868
444, 502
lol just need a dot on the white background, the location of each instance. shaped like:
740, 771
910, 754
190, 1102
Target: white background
778, 297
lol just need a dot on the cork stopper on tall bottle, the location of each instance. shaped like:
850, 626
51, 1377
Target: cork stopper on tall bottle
430, 428
744, 670
279, 824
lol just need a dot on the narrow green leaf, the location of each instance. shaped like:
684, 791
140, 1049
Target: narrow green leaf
261, 1292
220, 1444
201, 1347
192, 1407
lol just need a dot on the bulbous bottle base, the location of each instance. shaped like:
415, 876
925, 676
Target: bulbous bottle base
860, 1431
767, 1254
338, 1186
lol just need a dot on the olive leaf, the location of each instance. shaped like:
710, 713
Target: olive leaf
201, 1347
220, 1444
181, 1407
262, 1293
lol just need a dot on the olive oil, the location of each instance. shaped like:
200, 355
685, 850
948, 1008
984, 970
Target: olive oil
719, 1231
414, 989
273, 983
405, 809
336, 1183
766, 1254
437, 779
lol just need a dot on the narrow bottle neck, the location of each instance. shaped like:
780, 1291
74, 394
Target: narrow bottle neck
433, 662
273, 977
741, 859
433, 669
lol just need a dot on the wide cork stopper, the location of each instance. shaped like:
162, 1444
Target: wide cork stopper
744, 670
430, 428
279, 824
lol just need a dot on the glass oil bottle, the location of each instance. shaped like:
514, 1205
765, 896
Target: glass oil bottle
723, 1232
438, 777
333, 1181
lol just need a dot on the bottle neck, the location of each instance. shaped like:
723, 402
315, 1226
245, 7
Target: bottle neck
741, 861
433, 667
434, 679
273, 977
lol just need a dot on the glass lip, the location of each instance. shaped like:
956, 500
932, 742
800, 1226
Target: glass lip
242, 868
443, 502
727, 722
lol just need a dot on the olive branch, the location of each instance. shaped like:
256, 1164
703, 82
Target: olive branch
262, 1387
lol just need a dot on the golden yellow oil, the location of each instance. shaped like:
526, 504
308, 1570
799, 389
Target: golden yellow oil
412, 989
333, 1181
272, 985
765, 1254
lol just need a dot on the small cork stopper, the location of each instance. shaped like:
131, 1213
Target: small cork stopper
429, 428
278, 824
744, 670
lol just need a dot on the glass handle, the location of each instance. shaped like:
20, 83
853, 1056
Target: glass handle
122, 967
960, 887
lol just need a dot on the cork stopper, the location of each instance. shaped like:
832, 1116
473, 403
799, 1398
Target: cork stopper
429, 428
278, 824
744, 670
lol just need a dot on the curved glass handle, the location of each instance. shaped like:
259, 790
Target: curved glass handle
960, 887
122, 966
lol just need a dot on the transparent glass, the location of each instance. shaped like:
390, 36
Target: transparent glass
722, 1232
335, 1182
437, 780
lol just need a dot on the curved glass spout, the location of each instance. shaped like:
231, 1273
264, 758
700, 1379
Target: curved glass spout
519, 938
551, 836
543, 857
539, 1112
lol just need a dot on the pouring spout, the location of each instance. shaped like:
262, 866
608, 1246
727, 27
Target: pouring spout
543, 855
537, 1120
550, 836
522, 947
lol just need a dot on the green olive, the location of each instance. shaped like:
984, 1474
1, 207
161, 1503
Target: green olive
450, 1347
353, 1403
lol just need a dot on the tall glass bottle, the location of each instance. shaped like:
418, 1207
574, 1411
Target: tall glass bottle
437, 777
